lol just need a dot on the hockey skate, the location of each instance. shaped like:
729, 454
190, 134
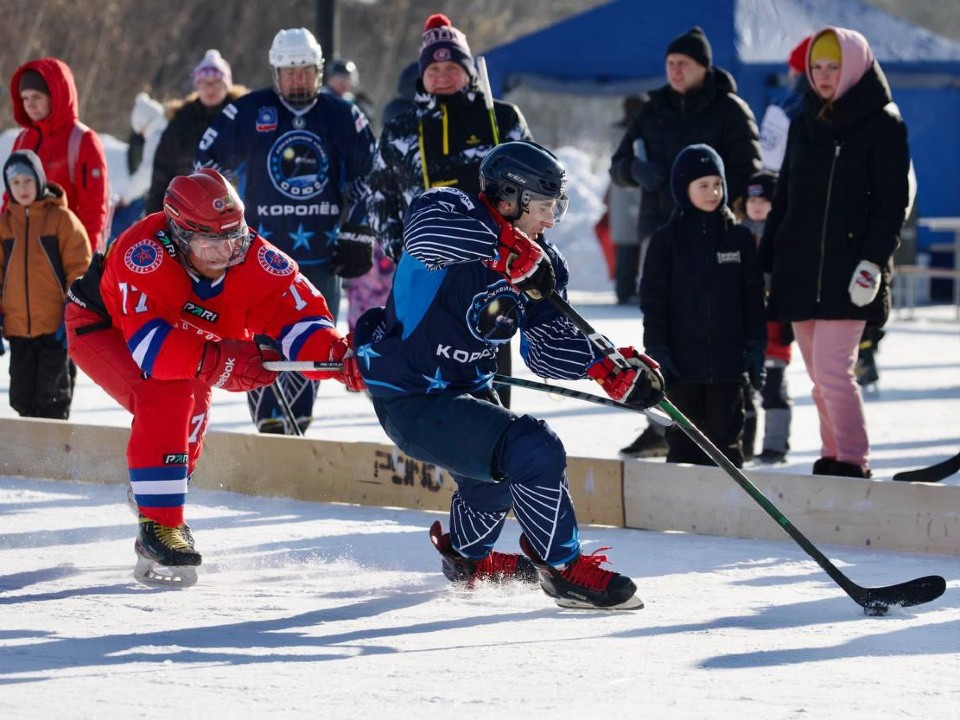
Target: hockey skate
135, 509
582, 583
496, 567
165, 555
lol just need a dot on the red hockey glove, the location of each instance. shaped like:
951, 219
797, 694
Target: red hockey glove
342, 352
524, 263
641, 386
236, 366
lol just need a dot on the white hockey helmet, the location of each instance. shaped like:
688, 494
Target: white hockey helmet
296, 48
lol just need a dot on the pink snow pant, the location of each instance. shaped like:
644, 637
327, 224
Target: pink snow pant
829, 349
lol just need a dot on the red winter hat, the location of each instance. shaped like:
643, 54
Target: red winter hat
798, 56
443, 42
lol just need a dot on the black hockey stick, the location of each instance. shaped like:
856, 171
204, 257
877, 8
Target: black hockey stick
285, 406
933, 473
656, 417
875, 601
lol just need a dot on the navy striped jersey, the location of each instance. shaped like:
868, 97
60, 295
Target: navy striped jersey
293, 168
448, 311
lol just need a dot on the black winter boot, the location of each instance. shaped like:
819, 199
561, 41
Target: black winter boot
824, 466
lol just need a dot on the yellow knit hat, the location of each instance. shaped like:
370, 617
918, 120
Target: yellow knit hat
826, 47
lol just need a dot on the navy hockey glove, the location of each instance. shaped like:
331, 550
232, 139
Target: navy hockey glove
353, 255
236, 365
753, 363
641, 386
523, 262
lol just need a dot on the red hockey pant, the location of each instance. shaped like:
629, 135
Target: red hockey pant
169, 416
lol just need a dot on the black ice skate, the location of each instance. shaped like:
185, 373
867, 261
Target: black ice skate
165, 555
496, 567
135, 509
582, 583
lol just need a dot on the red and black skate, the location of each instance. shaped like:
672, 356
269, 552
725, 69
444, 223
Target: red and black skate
497, 567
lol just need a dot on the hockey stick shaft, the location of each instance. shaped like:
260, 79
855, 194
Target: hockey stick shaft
300, 365
285, 407
484, 79
913, 592
658, 418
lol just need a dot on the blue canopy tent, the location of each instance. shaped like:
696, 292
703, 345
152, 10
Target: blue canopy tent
618, 49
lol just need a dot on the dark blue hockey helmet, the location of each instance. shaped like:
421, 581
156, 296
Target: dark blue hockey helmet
523, 172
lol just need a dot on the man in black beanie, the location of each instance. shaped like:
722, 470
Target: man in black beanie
693, 43
698, 104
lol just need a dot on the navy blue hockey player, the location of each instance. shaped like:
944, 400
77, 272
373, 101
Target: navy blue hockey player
296, 155
472, 273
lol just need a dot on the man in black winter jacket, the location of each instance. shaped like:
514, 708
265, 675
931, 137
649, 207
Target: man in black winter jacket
697, 105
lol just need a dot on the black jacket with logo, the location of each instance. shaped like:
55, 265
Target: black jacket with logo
702, 297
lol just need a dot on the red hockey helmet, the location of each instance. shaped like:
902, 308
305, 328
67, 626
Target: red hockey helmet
203, 209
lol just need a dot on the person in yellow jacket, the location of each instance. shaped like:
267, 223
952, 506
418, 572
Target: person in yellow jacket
43, 248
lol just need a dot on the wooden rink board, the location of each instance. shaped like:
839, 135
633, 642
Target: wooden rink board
362, 473
901, 516
907, 517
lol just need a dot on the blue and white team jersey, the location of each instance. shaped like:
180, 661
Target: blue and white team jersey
448, 311
293, 170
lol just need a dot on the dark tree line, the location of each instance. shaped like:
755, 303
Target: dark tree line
117, 48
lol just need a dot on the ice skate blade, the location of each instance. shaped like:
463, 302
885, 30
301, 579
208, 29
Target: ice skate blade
152, 574
631, 603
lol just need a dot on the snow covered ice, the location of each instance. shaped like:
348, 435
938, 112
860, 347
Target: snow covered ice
307, 609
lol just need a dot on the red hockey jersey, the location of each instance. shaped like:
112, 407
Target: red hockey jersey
166, 314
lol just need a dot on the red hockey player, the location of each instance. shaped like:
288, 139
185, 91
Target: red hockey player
170, 311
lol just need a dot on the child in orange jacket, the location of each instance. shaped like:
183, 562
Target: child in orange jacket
43, 248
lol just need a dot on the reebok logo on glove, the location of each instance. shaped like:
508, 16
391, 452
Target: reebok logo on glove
227, 372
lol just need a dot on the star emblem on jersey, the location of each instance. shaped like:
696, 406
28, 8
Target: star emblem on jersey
367, 353
436, 382
483, 379
143, 257
301, 238
274, 262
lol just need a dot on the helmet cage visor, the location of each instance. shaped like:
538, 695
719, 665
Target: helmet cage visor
545, 205
222, 249
303, 93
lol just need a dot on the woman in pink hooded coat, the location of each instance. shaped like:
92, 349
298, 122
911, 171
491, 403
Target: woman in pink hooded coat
836, 218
